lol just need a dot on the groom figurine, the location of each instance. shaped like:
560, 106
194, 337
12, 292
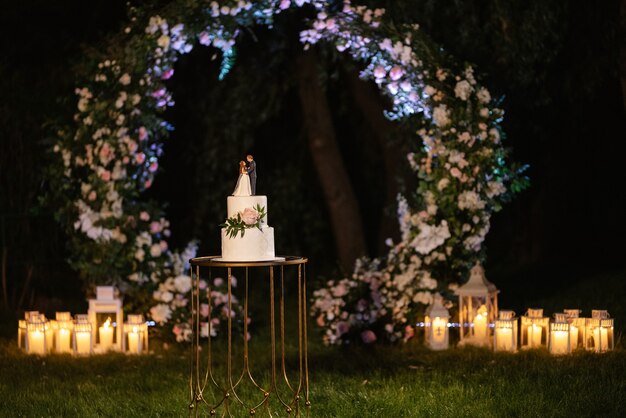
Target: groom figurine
252, 173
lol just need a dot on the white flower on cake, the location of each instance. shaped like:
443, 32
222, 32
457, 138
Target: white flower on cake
250, 216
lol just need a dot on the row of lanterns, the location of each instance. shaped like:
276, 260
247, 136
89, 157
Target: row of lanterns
100, 330
482, 325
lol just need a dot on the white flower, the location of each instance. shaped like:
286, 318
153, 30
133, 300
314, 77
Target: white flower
441, 116
463, 89
495, 135
495, 188
125, 79
155, 250
161, 313
483, 95
182, 283
443, 183
164, 42
430, 237
470, 200
140, 254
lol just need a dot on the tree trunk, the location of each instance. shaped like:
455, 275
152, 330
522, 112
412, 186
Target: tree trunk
340, 198
369, 103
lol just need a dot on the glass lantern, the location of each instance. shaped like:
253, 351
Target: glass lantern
599, 331
478, 308
36, 341
576, 328
505, 335
106, 316
559, 341
534, 329
436, 325
50, 327
63, 332
83, 337
135, 338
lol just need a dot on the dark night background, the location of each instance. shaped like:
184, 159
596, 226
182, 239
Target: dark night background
556, 63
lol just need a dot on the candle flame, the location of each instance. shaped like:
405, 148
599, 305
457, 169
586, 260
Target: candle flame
107, 323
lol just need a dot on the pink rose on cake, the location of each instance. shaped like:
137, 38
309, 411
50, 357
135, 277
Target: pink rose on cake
250, 216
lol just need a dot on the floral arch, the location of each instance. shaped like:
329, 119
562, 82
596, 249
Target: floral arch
110, 155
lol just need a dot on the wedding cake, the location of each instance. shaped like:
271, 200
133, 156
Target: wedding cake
246, 235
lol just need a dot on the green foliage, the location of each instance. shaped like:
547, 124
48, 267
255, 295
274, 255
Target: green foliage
236, 225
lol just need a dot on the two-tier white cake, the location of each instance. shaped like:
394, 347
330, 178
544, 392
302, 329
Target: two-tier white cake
256, 244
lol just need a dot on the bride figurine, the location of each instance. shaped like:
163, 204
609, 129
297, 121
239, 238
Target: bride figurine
243, 182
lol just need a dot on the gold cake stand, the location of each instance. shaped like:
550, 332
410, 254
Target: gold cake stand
209, 393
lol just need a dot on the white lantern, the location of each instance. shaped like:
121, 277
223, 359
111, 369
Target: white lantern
534, 329
50, 327
106, 316
436, 325
559, 341
83, 337
599, 331
36, 341
505, 336
63, 332
478, 308
576, 328
135, 338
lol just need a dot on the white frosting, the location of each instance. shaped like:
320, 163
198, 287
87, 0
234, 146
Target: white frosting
239, 203
255, 245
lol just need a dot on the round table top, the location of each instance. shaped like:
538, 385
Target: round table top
217, 261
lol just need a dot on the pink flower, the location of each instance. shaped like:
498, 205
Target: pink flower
125, 160
143, 133
159, 93
396, 73
202, 284
147, 184
455, 172
284, 4
144, 216
163, 245
250, 216
105, 175
218, 281
330, 24
153, 167
140, 158
380, 72
167, 74
132, 146
340, 290
342, 328
368, 336
320, 321
204, 309
155, 227
177, 330
92, 196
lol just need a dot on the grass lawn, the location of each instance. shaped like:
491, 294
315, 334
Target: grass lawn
385, 381
358, 382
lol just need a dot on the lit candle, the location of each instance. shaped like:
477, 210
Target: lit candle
63, 340
534, 335
559, 342
83, 345
573, 336
106, 335
480, 323
134, 342
601, 339
36, 342
504, 337
49, 334
439, 330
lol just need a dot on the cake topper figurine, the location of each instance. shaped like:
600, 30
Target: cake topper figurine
243, 182
251, 169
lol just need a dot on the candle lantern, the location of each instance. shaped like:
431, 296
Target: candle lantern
83, 337
135, 338
505, 335
36, 341
599, 331
560, 338
106, 316
478, 308
50, 327
576, 328
63, 332
436, 325
534, 329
